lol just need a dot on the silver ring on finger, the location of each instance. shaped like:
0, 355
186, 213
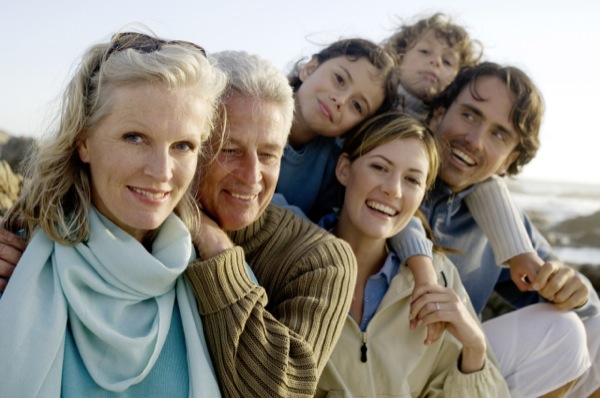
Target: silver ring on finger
437, 306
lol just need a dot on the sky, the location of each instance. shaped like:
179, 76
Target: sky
554, 42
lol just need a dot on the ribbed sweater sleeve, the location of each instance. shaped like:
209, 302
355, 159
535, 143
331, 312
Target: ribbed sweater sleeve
273, 340
496, 214
412, 241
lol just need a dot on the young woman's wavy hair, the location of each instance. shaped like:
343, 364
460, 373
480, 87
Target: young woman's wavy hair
469, 50
57, 198
354, 49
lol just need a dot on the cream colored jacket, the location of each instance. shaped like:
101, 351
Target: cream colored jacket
398, 364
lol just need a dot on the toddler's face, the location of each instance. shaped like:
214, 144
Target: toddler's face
429, 66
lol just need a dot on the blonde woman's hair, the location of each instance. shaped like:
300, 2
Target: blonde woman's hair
58, 196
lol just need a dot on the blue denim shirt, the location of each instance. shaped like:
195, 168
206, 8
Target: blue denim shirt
376, 287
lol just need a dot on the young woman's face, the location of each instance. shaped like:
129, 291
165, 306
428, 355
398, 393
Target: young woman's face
337, 94
384, 188
429, 66
143, 154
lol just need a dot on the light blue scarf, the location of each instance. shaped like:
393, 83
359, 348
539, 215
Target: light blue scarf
119, 300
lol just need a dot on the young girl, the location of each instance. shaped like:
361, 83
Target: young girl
385, 169
430, 53
338, 88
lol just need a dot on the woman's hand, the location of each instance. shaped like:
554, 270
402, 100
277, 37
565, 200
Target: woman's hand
441, 304
435, 330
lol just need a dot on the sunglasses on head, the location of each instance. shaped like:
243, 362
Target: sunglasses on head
144, 43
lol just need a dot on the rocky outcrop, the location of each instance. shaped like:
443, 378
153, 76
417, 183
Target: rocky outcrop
10, 187
577, 232
15, 150
592, 271
12, 152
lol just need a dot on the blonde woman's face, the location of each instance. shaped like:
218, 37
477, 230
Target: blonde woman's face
143, 154
429, 66
384, 188
337, 94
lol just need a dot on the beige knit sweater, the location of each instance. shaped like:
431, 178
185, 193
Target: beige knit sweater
273, 340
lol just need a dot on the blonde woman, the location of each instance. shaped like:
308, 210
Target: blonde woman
98, 305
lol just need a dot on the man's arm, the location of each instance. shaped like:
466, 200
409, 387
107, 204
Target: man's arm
493, 209
274, 339
556, 281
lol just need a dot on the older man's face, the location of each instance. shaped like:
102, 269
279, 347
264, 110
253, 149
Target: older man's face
236, 188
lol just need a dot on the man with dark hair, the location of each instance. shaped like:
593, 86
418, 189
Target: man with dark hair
487, 122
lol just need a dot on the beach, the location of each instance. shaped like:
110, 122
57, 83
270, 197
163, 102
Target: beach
568, 215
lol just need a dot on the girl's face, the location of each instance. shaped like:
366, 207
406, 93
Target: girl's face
384, 188
142, 156
429, 66
337, 94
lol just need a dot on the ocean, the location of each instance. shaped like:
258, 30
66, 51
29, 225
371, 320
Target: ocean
564, 212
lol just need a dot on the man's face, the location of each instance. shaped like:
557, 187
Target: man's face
237, 186
477, 137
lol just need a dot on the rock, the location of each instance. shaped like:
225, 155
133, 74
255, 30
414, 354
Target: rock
578, 232
15, 150
4, 137
592, 272
495, 306
10, 187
